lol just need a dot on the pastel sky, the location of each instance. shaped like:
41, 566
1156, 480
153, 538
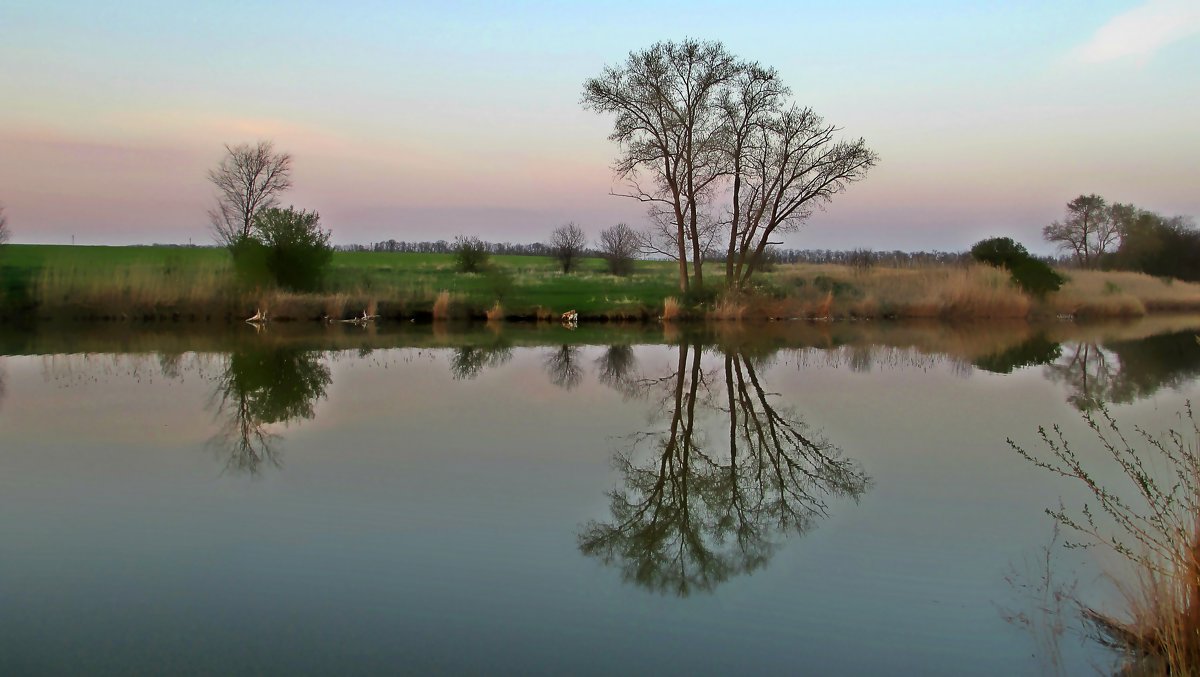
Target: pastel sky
426, 121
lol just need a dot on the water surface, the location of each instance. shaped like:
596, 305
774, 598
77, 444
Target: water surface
771, 499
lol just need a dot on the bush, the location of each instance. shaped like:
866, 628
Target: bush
499, 282
298, 250
471, 254
999, 252
1034, 277
250, 262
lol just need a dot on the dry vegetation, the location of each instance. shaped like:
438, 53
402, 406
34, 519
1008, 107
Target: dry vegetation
1153, 521
954, 292
1120, 293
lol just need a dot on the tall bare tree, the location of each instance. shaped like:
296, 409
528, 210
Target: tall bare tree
567, 244
1088, 232
746, 105
248, 180
668, 128
696, 125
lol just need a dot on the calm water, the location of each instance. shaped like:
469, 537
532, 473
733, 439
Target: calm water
787, 499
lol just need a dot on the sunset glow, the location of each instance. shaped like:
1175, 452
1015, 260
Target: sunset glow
415, 123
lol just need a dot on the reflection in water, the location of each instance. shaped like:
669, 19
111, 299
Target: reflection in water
260, 387
1035, 351
469, 361
703, 508
1125, 371
615, 369
562, 364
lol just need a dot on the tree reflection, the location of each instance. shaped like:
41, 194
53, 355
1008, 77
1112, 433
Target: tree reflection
616, 368
469, 361
726, 475
1125, 371
1035, 351
563, 366
261, 387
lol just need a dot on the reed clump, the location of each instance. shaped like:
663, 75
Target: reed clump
672, 310
1153, 522
441, 306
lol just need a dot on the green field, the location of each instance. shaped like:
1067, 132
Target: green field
129, 281
155, 283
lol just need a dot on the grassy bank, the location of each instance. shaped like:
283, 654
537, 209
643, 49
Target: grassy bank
62, 282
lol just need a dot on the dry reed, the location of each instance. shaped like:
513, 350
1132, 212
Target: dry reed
441, 306
671, 309
335, 306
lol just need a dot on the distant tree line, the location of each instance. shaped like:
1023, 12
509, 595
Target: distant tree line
447, 247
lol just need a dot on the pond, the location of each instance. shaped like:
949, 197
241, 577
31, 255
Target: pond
824, 498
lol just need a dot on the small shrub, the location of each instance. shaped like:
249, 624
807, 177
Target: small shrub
1111, 287
1036, 277
495, 313
700, 296
499, 281
471, 254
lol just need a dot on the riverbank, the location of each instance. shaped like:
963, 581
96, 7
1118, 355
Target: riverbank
197, 284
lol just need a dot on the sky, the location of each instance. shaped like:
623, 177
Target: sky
422, 122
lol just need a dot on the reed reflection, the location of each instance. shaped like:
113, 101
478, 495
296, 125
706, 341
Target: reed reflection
260, 387
708, 494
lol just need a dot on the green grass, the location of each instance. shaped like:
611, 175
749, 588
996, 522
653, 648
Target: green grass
57, 281
129, 281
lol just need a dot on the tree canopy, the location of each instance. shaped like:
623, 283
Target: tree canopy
712, 144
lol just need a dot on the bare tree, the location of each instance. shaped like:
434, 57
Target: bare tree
754, 95
792, 166
5, 234
704, 126
619, 246
667, 125
567, 244
1088, 232
248, 180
